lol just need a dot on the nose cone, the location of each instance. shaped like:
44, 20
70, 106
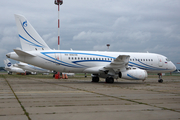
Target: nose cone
8, 55
173, 67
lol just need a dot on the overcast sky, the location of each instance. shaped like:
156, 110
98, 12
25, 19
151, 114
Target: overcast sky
127, 25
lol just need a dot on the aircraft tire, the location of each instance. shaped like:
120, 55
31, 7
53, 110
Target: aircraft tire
95, 79
160, 80
109, 80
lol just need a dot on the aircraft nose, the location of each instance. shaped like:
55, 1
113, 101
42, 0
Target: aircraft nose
8, 55
173, 67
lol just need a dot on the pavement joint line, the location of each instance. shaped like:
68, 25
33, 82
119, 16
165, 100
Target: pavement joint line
163, 108
47, 92
25, 112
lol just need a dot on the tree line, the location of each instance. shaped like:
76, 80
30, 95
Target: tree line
1, 68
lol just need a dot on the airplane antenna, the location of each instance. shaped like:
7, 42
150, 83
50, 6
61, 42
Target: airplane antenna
58, 2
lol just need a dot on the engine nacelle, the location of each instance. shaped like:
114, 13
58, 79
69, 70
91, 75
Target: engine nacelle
133, 74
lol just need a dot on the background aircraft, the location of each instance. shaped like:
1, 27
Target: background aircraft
12, 69
108, 65
31, 68
23, 68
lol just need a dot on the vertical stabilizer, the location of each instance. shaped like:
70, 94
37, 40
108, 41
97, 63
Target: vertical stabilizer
7, 63
30, 40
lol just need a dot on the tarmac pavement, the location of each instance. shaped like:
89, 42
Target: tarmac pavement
31, 98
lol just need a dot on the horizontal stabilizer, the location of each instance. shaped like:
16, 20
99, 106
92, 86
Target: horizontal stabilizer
8, 69
23, 53
20, 65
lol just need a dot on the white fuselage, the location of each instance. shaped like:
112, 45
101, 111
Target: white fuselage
81, 61
15, 70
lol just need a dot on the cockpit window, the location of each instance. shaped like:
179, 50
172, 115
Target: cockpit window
167, 59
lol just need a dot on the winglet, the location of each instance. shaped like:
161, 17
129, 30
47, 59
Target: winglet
19, 52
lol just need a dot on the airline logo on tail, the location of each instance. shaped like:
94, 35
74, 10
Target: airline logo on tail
9, 64
25, 23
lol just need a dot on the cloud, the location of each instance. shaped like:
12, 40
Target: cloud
93, 36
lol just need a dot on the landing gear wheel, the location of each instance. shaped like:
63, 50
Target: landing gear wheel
160, 76
160, 80
109, 80
95, 79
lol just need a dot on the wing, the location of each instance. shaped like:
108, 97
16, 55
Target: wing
119, 64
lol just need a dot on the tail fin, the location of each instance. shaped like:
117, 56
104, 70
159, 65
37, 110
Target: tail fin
7, 63
30, 40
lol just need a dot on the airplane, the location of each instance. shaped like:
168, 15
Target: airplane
101, 64
10, 68
23, 68
32, 69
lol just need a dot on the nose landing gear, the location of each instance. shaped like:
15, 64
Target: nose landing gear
160, 78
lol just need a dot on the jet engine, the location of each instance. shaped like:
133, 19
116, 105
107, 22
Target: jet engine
133, 74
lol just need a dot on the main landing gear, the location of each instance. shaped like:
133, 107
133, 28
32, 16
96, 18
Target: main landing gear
109, 80
95, 79
160, 78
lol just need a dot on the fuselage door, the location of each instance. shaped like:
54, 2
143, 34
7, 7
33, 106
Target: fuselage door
57, 58
160, 61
